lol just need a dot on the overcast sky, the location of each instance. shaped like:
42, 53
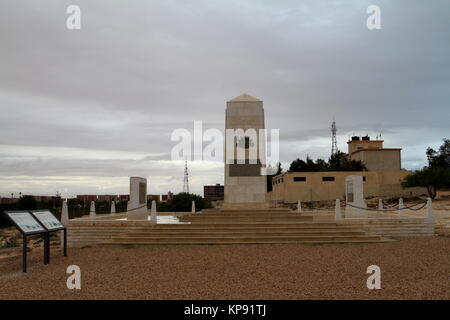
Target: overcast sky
83, 110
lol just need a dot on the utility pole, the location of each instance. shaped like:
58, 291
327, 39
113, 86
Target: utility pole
186, 178
334, 148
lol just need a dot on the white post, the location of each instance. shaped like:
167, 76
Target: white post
380, 205
92, 210
400, 206
113, 207
64, 221
153, 213
299, 206
193, 206
430, 217
337, 211
64, 213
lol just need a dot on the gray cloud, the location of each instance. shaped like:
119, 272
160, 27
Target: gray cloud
103, 101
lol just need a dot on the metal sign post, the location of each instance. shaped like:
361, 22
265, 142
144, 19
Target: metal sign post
51, 224
25, 222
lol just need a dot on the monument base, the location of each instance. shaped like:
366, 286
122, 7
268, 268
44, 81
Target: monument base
138, 215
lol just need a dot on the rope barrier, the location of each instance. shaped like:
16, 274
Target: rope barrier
386, 210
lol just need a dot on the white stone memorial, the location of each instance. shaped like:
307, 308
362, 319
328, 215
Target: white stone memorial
64, 220
299, 206
337, 211
153, 213
430, 217
245, 154
92, 210
64, 213
401, 206
137, 206
193, 207
354, 196
380, 206
113, 207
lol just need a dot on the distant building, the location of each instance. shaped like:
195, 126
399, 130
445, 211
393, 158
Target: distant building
8, 200
107, 197
44, 198
87, 197
124, 197
167, 197
373, 155
213, 193
151, 197
382, 178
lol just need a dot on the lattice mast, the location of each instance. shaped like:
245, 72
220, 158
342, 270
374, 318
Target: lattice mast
186, 178
334, 148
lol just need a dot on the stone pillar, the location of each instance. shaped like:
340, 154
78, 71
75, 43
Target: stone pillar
137, 206
193, 207
64, 221
299, 206
64, 213
245, 154
380, 205
430, 217
153, 213
400, 206
113, 207
92, 210
354, 196
337, 211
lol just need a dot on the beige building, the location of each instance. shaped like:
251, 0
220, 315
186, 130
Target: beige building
383, 178
373, 155
330, 185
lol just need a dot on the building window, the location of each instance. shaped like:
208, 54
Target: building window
327, 178
303, 179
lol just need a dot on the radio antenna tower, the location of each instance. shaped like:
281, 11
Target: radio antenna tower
334, 148
186, 178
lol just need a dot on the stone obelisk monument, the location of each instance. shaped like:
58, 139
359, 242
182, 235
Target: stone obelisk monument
245, 152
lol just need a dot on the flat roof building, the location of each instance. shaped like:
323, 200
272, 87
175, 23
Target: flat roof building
214, 192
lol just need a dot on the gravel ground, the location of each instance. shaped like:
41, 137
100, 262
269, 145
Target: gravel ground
416, 268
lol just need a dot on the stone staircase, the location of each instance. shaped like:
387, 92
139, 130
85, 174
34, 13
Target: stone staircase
220, 227
395, 227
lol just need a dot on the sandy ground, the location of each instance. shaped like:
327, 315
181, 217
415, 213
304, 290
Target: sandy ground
415, 268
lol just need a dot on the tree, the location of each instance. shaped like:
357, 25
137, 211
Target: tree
437, 175
182, 202
279, 168
431, 178
337, 162
440, 158
27, 203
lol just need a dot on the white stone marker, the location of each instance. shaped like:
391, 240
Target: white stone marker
137, 206
337, 211
354, 197
380, 206
299, 206
193, 207
430, 217
64, 213
64, 221
153, 213
92, 210
113, 207
400, 206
